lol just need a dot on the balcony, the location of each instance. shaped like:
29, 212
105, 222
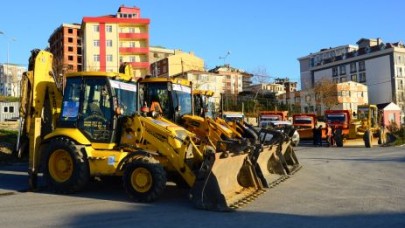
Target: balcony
133, 50
138, 65
134, 36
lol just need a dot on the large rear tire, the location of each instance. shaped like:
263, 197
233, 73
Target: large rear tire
144, 179
66, 166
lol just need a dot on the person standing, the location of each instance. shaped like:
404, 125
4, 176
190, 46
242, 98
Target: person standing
319, 134
329, 135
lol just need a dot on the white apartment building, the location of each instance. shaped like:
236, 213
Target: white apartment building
266, 88
378, 65
10, 77
203, 80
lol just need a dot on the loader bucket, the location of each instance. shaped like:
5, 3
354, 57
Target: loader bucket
268, 160
292, 164
225, 183
287, 154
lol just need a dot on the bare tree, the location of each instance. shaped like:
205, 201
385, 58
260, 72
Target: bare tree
59, 71
260, 76
326, 92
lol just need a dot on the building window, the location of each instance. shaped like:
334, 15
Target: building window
96, 43
362, 66
70, 49
399, 72
353, 67
353, 77
334, 71
70, 58
70, 31
131, 44
108, 28
70, 40
335, 80
362, 77
342, 69
96, 58
343, 79
131, 30
109, 58
132, 59
5, 109
109, 43
96, 28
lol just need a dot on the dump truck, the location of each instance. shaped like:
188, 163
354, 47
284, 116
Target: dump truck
350, 125
305, 123
93, 127
265, 117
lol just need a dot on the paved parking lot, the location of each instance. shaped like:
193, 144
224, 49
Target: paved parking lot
336, 187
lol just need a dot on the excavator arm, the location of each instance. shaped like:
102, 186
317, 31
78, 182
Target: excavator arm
40, 107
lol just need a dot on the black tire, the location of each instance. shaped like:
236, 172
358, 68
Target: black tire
339, 137
144, 179
66, 167
367, 138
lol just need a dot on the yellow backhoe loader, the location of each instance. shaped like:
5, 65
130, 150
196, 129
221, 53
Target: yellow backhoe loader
175, 98
93, 128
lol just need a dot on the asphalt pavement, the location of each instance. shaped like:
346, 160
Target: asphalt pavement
346, 187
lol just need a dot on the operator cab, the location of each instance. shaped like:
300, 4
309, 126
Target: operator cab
94, 104
174, 99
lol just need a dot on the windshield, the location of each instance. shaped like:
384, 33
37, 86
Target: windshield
302, 120
181, 96
336, 118
271, 117
362, 113
126, 96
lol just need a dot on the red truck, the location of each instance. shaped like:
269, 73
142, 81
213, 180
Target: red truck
305, 123
267, 116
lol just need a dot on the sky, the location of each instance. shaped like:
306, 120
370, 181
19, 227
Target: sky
260, 37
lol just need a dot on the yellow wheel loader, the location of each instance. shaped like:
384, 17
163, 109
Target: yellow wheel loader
176, 99
92, 128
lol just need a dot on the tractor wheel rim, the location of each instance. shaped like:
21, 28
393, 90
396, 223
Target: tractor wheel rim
60, 165
141, 180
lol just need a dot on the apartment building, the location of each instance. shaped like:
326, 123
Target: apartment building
176, 63
378, 65
344, 95
109, 41
10, 77
159, 53
203, 80
65, 43
266, 88
235, 80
